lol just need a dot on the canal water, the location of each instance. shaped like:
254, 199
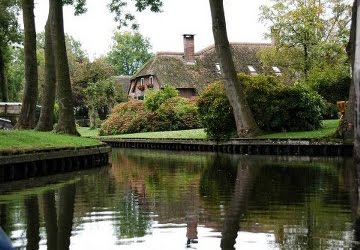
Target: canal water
144, 199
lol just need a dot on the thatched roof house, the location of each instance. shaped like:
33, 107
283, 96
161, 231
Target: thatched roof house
191, 72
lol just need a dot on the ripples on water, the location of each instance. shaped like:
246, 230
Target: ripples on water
143, 199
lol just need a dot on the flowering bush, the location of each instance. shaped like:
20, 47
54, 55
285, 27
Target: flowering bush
173, 113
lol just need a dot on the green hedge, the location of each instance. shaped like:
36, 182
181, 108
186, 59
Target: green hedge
215, 112
275, 106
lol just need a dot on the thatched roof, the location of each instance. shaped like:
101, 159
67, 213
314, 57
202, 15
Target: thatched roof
171, 69
124, 81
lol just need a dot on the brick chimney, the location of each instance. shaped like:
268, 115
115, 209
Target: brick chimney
189, 51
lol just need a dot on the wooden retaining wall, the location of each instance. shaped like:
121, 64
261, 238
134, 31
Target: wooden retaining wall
26, 164
240, 146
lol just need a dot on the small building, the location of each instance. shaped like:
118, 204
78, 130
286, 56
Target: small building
191, 72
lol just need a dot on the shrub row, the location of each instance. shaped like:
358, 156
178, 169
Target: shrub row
275, 106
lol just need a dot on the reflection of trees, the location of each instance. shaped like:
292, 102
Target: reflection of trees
246, 172
32, 223
65, 216
134, 220
161, 181
50, 218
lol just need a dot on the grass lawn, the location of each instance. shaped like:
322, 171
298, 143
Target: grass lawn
30, 140
328, 129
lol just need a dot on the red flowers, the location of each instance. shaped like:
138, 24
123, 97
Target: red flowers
141, 87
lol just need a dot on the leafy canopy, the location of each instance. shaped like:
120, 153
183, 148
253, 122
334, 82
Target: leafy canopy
129, 52
317, 29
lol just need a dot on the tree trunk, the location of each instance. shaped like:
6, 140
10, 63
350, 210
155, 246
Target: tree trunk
66, 123
27, 115
4, 92
66, 215
50, 219
32, 223
46, 119
356, 79
245, 122
93, 115
346, 126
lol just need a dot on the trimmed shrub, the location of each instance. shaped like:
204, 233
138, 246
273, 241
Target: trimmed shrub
179, 113
216, 112
155, 98
174, 113
278, 107
275, 106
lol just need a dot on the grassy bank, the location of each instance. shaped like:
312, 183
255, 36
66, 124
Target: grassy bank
328, 130
31, 140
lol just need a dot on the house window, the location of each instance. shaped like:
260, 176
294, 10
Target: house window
218, 68
142, 81
252, 70
151, 80
276, 70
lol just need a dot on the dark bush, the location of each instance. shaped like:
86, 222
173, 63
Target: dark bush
215, 112
331, 82
279, 107
275, 106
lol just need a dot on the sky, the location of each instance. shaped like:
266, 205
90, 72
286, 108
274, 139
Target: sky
95, 28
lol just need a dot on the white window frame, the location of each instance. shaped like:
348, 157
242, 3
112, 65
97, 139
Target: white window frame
142, 81
252, 69
276, 70
151, 80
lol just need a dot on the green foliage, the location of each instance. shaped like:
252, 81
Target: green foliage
314, 28
15, 73
155, 98
215, 112
100, 97
178, 113
275, 106
279, 107
124, 17
331, 82
172, 113
129, 52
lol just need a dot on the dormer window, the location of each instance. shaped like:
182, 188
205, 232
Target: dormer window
276, 70
218, 68
252, 70
142, 81
151, 80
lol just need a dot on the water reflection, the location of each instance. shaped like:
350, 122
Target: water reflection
144, 199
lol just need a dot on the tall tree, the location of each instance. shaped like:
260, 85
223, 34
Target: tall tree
28, 108
356, 80
346, 127
245, 122
45, 122
66, 123
9, 34
308, 25
129, 52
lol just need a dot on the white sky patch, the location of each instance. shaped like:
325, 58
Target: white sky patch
95, 28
